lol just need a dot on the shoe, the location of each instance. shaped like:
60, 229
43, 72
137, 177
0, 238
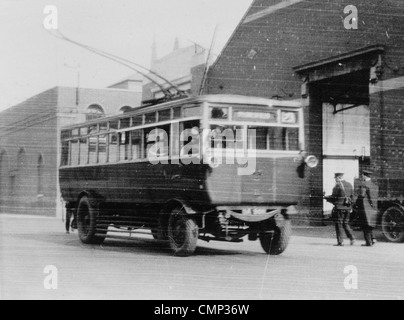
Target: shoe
352, 242
67, 232
339, 245
367, 245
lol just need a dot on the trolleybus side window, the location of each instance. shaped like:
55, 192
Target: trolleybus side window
227, 137
275, 138
113, 147
65, 156
157, 141
164, 115
102, 148
65, 153
93, 150
177, 113
124, 146
93, 145
113, 125
83, 150
75, 152
190, 138
150, 118
137, 120
137, 144
124, 123
103, 127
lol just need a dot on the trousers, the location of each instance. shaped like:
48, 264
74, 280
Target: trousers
69, 223
342, 219
368, 234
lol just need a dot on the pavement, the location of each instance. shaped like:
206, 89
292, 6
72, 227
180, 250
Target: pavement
144, 269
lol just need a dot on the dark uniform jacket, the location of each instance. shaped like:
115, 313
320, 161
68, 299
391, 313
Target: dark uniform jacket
342, 192
366, 196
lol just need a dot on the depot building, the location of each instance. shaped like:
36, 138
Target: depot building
344, 60
30, 142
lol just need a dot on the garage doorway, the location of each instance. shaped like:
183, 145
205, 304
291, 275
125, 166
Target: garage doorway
337, 91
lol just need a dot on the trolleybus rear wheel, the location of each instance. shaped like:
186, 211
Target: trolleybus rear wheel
276, 243
393, 224
87, 216
183, 233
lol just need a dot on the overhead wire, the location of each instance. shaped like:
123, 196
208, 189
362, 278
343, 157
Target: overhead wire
125, 62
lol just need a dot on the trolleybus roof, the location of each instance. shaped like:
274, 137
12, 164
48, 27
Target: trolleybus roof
217, 98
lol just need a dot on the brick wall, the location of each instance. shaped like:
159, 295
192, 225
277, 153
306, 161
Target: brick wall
259, 59
30, 130
387, 133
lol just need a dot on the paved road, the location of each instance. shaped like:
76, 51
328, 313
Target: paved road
143, 269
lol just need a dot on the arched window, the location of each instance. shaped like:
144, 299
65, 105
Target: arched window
94, 112
40, 171
125, 109
21, 159
19, 188
3, 175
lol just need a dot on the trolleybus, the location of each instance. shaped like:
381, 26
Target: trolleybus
214, 167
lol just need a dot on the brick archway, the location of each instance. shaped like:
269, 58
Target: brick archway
336, 89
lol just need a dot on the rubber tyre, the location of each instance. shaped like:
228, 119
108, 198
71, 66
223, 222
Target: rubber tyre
276, 243
88, 230
393, 224
183, 233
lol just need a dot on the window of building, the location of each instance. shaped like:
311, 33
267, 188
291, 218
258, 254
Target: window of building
94, 112
3, 175
125, 109
20, 183
40, 172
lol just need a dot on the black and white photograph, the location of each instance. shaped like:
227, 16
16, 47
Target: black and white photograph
203, 155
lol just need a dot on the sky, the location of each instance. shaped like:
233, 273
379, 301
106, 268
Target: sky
32, 61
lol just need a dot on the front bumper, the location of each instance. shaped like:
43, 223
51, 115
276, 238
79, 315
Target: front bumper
256, 214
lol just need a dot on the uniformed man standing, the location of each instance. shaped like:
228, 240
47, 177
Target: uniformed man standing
366, 195
342, 198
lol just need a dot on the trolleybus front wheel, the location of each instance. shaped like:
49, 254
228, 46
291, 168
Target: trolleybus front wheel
275, 243
393, 224
87, 215
183, 233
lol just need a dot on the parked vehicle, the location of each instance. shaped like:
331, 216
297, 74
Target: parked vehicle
217, 167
